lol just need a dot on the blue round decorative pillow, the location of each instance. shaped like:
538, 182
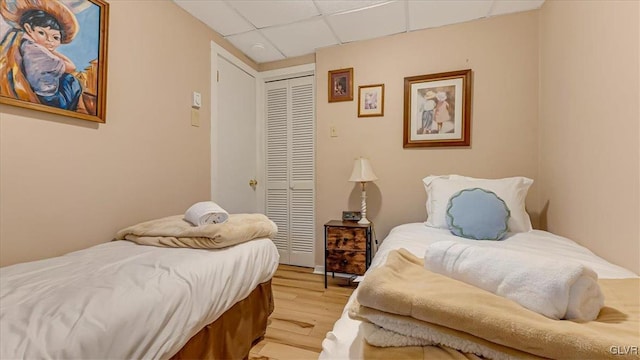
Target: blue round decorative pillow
478, 214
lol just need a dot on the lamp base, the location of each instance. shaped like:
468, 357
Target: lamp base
363, 205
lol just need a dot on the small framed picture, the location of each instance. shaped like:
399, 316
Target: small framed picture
341, 85
371, 100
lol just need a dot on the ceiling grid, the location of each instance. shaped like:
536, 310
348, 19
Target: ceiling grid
271, 30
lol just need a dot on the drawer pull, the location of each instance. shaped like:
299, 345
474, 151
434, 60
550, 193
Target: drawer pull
345, 262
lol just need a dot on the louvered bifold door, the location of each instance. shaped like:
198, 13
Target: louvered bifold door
301, 179
277, 164
290, 143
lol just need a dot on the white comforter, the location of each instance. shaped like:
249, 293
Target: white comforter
344, 341
120, 300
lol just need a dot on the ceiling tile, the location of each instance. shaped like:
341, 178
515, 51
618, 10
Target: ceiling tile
301, 38
511, 6
289, 28
385, 19
247, 42
217, 15
328, 7
274, 12
427, 14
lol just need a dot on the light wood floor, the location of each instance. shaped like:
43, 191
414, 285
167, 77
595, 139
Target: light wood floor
304, 312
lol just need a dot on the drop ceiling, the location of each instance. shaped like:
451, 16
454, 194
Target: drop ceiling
272, 30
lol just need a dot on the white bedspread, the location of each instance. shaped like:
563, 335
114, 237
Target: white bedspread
344, 341
120, 300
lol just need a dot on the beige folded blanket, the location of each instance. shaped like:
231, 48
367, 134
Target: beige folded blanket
392, 331
403, 295
416, 350
370, 352
174, 231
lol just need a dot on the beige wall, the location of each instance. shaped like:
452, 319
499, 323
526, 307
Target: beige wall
589, 125
67, 184
503, 54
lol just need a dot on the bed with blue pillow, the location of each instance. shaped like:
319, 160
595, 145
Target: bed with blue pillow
480, 212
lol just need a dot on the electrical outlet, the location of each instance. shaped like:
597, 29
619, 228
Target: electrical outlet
333, 132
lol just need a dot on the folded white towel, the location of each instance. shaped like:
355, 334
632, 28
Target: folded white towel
553, 287
206, 212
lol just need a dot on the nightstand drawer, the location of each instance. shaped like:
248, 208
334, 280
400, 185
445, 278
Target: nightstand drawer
346, 261
345, 238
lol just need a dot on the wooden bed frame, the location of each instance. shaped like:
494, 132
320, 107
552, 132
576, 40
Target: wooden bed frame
233, 334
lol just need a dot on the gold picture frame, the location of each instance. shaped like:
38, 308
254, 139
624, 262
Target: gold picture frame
75, 81
371, 100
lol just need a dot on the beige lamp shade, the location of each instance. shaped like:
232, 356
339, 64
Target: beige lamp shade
362, 171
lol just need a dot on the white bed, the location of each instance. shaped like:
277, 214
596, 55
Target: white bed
345, 342
120, 300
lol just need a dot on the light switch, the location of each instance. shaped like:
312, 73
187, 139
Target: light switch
333, 131
195, 117
196, 100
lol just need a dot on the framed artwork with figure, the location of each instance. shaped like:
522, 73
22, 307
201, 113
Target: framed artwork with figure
53, 56
437, 110
371, 100
341, 85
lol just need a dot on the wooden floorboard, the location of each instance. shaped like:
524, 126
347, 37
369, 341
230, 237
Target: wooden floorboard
304, 312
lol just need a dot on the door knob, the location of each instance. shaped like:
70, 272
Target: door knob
253, 183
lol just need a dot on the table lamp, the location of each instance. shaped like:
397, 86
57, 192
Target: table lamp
362, 173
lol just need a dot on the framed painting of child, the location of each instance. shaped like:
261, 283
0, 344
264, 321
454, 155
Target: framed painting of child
53, 56
437, 110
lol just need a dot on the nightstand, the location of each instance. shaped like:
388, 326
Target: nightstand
347, 246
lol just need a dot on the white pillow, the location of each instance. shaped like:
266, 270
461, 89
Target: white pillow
512, 190
427, 187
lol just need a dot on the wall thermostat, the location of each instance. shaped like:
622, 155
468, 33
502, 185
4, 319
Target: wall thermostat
196, 100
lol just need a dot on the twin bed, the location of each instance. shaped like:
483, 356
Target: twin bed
346, 340
121, 300
410, 305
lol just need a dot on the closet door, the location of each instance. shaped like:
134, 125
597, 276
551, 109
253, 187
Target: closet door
290, 144
277, 164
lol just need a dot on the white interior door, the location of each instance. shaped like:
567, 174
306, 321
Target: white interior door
234, 149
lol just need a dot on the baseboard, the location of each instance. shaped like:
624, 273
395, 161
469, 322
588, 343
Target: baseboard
319, 269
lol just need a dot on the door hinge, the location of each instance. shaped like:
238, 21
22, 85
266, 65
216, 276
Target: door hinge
217, 76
